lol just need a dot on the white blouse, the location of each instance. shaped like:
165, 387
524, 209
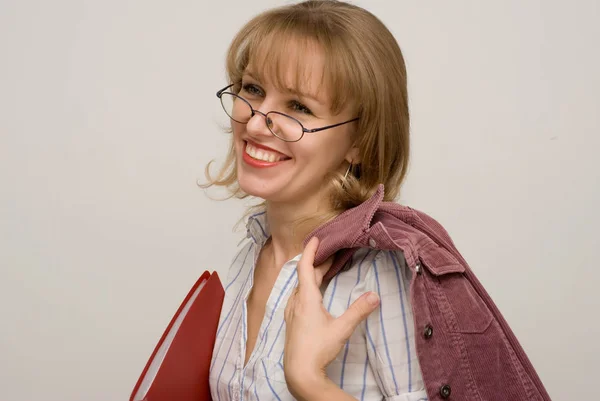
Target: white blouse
378, 362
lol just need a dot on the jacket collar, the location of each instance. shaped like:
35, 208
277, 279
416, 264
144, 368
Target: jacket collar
347, 231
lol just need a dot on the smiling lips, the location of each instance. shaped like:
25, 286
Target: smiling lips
259, 156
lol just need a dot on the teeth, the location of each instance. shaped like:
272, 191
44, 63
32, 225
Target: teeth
261, 154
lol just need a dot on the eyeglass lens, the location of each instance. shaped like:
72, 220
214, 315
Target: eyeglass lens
280, 125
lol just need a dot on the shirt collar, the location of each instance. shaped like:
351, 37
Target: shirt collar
257, 228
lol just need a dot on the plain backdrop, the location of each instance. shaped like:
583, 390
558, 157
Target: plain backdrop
108, 116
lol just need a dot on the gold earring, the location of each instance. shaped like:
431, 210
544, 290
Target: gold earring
346, 175
348, 171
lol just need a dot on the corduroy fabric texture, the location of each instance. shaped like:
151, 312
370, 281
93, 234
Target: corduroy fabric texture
466, 349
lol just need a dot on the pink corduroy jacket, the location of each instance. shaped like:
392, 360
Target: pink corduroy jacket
466, 349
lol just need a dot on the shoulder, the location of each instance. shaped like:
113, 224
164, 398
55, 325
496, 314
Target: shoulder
375, 270
376, 260
414, 223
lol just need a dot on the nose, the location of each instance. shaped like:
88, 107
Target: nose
257, 125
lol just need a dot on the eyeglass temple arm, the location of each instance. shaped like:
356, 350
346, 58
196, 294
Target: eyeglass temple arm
329, 126
220, 92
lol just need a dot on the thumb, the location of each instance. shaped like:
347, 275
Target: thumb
321, 270
356, 313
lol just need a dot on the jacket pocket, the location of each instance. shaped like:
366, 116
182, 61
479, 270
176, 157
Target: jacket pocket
463, 310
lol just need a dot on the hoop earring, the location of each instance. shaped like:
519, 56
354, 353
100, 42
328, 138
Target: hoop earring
346, 175
348, 171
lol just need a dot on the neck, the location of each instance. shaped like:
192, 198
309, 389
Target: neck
288, 228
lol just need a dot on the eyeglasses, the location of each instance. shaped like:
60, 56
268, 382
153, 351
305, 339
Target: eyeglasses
283, 126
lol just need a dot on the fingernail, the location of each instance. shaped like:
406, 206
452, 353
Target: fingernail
373, 299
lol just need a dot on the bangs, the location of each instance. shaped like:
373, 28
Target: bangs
288, 54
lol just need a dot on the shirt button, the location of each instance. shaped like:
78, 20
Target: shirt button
372, 243
418, 268
428, 332
445, 391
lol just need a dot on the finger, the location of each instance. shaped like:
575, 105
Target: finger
306, 276
321, 271
356, 313
289, 307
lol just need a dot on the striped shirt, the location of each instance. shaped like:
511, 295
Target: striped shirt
378, 362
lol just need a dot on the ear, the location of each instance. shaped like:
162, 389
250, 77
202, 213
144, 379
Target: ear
353, 156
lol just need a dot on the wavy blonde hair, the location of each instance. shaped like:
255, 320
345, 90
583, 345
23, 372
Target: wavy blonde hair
364, 70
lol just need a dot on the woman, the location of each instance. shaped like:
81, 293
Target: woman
318, 104
334, 69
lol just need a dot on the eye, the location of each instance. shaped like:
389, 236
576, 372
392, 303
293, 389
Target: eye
252, 90
300, 108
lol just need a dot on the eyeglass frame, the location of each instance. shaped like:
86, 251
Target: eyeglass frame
305, 130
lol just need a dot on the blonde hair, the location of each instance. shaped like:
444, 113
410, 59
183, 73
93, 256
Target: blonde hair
364, 69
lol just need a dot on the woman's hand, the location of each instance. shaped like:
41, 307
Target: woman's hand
314, 337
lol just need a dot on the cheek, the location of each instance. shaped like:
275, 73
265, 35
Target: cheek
237, 129
326, 152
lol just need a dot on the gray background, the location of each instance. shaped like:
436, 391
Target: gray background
108, 115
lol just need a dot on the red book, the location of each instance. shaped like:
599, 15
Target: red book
179, 365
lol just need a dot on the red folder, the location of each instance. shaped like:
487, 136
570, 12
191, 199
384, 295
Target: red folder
179, 365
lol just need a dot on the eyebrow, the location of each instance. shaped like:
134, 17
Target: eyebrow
291, 90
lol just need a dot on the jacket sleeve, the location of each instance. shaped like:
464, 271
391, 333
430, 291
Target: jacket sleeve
389, 330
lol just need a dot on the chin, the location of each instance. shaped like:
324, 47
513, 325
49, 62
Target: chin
262, 193
267, 190
254, 187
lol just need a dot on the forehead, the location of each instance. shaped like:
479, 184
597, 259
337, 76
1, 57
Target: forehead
291, 65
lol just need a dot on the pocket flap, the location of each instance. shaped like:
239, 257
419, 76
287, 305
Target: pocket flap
439, 261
